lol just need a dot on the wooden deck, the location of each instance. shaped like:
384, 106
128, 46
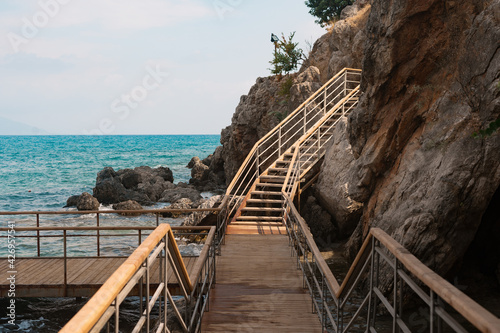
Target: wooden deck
259, 288
42, 277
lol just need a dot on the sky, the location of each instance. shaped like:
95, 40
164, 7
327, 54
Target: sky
137, 66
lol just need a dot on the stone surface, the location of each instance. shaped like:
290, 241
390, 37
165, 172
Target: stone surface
72, 201
259, 112
87, 202
331, 190
181, 191
320, 222
198, 218
142, 184
207, 175
420, 174
128, 205
343, 46
183, 203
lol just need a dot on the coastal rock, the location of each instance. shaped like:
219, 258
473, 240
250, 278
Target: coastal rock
207, 175
417, 170
343, 45
259, 112
195, 160
142, 184
204, 218
87, 202
128, 205
181, 191
331, 190
183, 203
320, 222
72, 201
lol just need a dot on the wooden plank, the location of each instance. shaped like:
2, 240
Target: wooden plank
259, 292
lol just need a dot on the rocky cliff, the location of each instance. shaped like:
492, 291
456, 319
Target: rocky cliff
409, 163
405, 160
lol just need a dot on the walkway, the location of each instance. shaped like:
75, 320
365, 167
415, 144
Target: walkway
259, 288
44, 277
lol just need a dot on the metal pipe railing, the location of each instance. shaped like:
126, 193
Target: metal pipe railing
345, 307
268, 149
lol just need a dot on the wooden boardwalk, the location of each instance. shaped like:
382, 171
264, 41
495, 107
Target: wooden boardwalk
259, 288
44, 277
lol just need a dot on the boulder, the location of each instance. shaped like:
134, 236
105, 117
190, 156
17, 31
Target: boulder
181, 191
142, 184
208, 174
128, 205
204, 218
195, 160
87, 202
183, 203
72, 201
320, 222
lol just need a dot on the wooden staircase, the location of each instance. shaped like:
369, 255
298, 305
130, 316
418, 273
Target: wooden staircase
286, 156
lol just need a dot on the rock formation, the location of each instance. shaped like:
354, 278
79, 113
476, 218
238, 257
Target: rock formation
208, 174
430, 80
204, 218
142, 184
260, 111
128, 205
87, 202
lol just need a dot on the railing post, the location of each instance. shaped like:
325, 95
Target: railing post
38, 234
65, 265
98, 237
279, 142
319, 143
257, 167
305, 121
324, 101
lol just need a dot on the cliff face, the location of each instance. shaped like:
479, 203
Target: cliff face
260, 111
405, 160
430, 80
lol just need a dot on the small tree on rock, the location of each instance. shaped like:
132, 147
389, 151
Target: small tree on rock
327, 10
286, 56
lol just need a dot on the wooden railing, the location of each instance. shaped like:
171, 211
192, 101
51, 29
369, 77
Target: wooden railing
270, 147
159, 246
341, 308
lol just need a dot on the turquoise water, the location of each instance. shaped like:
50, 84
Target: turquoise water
38, 173
41, 172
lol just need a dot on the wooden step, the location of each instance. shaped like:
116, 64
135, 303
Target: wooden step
261, 209
264, 201
266, 193
271, 178
259, 218
278, 169
269, 185
257, 223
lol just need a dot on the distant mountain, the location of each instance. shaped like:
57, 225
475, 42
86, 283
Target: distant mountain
10, 127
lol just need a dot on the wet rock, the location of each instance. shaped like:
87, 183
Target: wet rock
128, 205
72, 201
87, 202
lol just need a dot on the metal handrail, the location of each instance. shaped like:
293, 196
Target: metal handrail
160, 245
315, 151
268, 149
330, 300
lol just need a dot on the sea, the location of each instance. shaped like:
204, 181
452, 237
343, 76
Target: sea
39, 173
